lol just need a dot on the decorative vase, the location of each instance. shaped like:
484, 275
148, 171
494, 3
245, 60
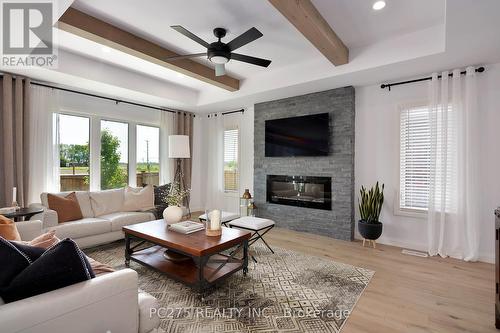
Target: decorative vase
371, 231
247, 194
172, 214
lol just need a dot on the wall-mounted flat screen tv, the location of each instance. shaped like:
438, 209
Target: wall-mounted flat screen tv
298, 136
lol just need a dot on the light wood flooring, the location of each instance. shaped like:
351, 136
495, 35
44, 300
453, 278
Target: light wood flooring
407, 294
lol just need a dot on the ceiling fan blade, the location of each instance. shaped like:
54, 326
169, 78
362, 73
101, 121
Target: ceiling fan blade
186, 56
250, 60
189, 34
220, 70
247, 37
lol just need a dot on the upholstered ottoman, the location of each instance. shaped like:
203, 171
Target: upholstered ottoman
225, 217
258, 226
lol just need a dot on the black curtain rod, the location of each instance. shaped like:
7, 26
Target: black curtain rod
389, 85
227, 112
101, 97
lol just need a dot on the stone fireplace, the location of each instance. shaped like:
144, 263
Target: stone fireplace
300, 191
281, 191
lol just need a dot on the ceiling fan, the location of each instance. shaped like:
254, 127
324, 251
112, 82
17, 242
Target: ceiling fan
220, 53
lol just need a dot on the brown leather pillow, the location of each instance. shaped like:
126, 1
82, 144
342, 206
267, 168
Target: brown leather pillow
67, 208
8, 229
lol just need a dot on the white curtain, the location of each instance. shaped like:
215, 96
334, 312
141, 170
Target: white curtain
43, 142
453, 219
166, 163
214, 129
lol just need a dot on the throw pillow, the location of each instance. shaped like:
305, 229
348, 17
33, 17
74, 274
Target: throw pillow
67, 208
161, 193
107, 201
8, 229
46, 240
62, 265
138, 199
13, 260
99, 268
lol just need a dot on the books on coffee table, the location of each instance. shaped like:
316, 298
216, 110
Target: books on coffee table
186, 227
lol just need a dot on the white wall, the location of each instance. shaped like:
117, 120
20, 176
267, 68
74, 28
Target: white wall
377, 150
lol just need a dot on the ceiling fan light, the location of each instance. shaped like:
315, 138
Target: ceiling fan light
219, 59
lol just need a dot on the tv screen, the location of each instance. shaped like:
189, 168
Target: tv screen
298, 136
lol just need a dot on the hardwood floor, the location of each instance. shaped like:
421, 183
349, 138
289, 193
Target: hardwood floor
407, 294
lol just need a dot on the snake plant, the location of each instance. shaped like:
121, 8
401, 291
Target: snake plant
370, 203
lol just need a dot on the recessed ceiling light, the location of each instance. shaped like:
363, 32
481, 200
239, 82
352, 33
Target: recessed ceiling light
105, 49
378, 5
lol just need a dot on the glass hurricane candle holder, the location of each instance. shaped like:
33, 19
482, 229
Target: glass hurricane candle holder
213, 223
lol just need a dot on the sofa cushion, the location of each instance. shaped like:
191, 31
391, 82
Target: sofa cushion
8, 229
138, 198
82, 197
62, 265
67, 208
108, 201
81, 228
121, 219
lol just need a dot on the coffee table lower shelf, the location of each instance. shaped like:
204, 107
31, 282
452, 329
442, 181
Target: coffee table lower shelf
188, 271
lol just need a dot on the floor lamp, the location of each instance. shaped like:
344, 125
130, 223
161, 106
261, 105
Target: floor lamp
178, 148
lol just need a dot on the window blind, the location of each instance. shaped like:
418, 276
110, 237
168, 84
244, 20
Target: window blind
415, 158
231, 174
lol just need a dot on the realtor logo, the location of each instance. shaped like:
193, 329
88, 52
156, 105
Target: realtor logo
27, 34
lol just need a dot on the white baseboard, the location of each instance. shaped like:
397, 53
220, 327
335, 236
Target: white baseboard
483, 257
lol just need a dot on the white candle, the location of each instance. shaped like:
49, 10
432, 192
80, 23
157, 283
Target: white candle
14, 194
215, 220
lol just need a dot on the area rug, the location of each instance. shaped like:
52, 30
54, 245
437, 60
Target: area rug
283, 292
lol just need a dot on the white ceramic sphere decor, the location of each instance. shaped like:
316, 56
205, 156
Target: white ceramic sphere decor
172, 214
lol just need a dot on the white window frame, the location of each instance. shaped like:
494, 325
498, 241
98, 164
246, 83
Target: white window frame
95, 144
232, 193
160, 145
398, 210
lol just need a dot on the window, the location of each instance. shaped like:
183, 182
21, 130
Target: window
415, 158
74, 152
114, 154
231, 175
148, 155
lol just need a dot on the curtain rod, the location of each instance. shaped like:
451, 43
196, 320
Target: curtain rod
227, 112
389, 85
101, 97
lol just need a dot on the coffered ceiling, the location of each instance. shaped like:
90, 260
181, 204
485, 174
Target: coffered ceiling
407, 37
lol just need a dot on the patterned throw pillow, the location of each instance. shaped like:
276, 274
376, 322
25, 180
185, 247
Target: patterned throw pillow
160, 194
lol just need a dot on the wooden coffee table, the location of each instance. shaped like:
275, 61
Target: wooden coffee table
206, 266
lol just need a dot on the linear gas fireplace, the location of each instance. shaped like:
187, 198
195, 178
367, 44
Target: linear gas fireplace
301, 191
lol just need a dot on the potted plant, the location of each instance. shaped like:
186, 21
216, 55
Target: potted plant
370, 204
175, 197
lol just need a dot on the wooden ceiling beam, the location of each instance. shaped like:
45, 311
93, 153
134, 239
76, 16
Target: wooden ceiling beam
308, 20
89, 27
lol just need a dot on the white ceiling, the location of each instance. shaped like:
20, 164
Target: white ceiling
357, 24
354, 20
412, 36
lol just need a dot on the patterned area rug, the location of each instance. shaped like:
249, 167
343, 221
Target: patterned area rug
282, 292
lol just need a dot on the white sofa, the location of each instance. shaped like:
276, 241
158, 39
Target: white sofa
108, 303
102, 221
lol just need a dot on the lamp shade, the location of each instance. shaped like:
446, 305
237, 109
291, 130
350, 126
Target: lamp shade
178, 146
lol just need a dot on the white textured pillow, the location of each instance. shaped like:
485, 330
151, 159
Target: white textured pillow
139, 198
107, 201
